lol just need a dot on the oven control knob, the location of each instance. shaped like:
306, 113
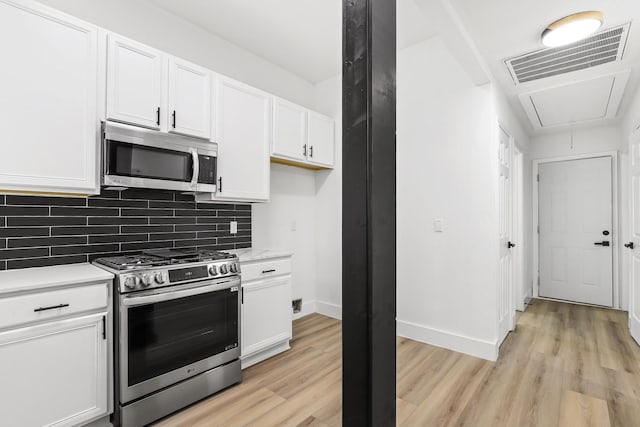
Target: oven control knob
131, 282
213, 270
146, 281
223, 269
234, 268
159, 278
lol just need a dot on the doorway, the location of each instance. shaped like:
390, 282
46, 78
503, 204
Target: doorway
576, 211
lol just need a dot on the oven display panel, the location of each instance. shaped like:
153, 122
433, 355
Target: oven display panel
192, 273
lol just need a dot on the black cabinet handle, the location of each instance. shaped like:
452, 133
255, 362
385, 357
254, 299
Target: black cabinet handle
220, 185
603, 243
104, 327
511, 245
242, 296
311, 151
304, 150
273, 270
53, 307
174, 118
629, 245
158, 116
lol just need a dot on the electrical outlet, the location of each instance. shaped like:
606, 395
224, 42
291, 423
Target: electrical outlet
438, 227
294, 225
233, 225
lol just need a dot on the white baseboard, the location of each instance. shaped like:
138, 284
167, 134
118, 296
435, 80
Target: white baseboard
329, 309
634, 326
460, 343
524, 300
471, 346
308, 307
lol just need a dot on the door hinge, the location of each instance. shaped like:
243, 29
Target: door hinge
538, 228
538, 177
104, 327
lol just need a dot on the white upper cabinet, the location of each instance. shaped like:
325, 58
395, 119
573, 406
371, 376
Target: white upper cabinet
146, 87
243, 134
134, 82
48, 101
289, 130
302, 137
189, 99
321, 140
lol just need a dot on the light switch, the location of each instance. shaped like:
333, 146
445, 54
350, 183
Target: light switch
234, 227
438, 227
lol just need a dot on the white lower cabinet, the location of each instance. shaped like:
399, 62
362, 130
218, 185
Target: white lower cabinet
54, 374
266, 312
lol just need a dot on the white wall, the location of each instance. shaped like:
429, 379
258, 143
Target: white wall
288, 223
447, 168
146, 23
328, 207
585, 141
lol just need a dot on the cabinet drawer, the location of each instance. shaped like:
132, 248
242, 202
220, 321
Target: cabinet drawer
50, 305
264, 269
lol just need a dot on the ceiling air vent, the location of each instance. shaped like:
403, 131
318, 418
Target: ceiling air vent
600, 48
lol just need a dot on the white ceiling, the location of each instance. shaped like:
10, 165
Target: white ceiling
301, 36
304, 37
502, 29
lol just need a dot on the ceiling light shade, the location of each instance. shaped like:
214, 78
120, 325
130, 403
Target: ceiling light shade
572, 28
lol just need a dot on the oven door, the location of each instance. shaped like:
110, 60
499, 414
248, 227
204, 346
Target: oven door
167, 336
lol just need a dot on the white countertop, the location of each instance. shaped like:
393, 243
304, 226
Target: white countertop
253, 254
49, 277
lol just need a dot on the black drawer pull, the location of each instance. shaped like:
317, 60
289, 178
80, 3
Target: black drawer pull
273, 270
53, 307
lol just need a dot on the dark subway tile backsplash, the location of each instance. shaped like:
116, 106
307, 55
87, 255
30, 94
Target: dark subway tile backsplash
37, 231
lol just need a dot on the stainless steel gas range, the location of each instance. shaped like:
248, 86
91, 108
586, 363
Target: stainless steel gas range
177, 330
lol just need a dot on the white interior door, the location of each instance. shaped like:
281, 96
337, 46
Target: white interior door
506, 309
632, 245
576, 230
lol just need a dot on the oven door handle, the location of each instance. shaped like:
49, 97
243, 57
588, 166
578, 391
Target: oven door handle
133, 301
196, 167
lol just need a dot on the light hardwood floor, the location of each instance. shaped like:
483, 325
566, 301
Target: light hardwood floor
565, 365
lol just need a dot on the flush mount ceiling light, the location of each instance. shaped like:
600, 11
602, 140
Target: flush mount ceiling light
572, 28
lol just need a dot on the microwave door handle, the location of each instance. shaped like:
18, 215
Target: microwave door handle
196, 167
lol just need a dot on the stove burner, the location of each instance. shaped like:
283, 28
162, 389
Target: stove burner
128, 262
162, 257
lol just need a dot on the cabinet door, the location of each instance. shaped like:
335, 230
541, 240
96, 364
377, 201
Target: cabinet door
289, 131
54, 374
321, 139
189, 99
134, 82
266, 314
243, 134
49, 128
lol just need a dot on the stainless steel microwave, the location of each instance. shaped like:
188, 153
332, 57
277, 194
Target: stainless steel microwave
138, 157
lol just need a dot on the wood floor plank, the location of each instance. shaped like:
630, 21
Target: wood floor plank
564, 365
581, 410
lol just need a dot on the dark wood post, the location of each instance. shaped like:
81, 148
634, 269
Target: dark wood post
369, 213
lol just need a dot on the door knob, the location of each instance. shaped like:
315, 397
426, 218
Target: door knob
511, 245
603, 243
629, 245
